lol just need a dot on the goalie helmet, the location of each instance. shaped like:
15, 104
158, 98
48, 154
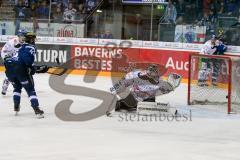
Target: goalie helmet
153, 71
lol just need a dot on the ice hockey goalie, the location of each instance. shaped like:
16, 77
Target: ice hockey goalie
143, 85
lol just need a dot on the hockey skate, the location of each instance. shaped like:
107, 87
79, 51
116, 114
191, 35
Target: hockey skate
5, 86
202, 83
39, 113
214, 83
16, 109
3, 93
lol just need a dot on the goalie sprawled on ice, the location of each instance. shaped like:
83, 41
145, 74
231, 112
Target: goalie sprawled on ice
144, 86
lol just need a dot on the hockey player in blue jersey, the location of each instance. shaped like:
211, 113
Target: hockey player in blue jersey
215, 46
221, 48
19, 70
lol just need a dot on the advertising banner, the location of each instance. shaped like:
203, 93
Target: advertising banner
190, 34
56, 29
47, 54
174, 61
44, 29
113, 59
124, 60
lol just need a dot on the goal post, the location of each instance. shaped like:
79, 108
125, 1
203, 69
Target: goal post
214, 81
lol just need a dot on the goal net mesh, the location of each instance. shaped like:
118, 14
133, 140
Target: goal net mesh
214, 82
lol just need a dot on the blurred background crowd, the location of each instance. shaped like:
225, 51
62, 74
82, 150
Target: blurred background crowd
113, 19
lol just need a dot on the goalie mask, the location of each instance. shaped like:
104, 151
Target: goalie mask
153, 71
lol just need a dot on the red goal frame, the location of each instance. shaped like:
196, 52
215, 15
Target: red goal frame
229, 72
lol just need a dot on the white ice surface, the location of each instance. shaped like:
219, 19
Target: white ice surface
210, 135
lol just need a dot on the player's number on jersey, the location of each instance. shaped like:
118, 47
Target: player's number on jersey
32, 51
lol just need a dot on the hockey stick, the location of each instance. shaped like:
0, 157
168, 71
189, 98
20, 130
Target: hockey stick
57, 70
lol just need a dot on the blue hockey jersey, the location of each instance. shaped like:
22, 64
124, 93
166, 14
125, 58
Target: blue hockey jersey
221, 48
26, 55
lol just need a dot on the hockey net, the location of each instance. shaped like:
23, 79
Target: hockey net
214, 82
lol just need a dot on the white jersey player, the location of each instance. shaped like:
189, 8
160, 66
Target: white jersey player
209, 48
69, 13
10, 49
144, 86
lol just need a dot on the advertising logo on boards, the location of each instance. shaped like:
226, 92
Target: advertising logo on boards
67, 31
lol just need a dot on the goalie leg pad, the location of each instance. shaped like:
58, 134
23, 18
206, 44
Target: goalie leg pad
129, 103
155, 108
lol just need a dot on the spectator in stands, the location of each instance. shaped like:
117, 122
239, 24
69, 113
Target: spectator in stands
43, 10
69, 14
180, 7
35, 24
33, 8
96, 35
21, 13
220, 7
90, 5
231, 8
191, 9
107, 35
199, 7
26, 3
65, 3
81, 13
57, 14
170, 13
210, 22
206, 6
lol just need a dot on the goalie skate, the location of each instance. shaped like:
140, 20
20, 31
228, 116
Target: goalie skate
202, 83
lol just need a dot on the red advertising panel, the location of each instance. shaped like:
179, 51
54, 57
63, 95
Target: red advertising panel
115, 59
174, 61
102, 58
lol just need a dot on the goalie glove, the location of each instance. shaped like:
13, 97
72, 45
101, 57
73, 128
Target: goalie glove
174, 80
41, 69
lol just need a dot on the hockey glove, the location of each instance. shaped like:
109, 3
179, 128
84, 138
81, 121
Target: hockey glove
41, 69
174, 79
31, 70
